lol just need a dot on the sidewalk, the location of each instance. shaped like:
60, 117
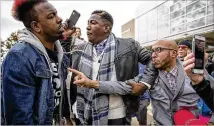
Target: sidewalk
150, 120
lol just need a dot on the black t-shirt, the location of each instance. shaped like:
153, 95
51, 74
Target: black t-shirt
55, 81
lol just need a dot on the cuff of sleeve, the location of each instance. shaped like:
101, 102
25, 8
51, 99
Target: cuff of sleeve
201, 85
147, 85
202, 82
102, 87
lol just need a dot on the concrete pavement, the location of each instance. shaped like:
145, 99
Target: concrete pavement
150, 120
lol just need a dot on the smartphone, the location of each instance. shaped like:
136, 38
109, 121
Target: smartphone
73, 19
198, 48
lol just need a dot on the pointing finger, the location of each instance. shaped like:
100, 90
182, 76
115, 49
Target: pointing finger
75, 71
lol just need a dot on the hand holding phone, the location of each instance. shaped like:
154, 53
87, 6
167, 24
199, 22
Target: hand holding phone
198, 48
189, 64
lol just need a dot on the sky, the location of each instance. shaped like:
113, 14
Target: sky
121, 11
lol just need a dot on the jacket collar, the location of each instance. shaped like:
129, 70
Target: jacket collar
180, 80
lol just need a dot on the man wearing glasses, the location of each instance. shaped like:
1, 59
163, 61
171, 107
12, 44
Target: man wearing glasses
184, 47
170, 92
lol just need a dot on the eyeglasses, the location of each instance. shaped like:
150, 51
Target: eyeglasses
160, 49
182, 46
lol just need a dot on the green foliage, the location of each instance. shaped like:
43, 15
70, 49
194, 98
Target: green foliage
8, 43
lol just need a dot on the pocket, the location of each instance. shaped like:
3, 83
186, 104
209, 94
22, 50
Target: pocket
43, 72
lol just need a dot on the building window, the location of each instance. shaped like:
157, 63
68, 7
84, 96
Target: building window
178, 29
196, 14
163, 30
143, 36
175, 1
177, 13
178, 21
174, 17
143, 28
165, 6
210, 19
190, 1
177, 6
163, 11
152, 34
196, 23
163, 19
152, 18
195, 6
137, 29
152, 25
210, 1
210, 9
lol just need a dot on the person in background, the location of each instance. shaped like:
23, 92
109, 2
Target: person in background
78, 33
212, 59
184, 47
141, 114
34, 70
212, 56
210, 65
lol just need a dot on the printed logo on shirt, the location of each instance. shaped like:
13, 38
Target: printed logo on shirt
56, 84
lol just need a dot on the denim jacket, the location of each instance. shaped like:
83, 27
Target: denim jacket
27, 91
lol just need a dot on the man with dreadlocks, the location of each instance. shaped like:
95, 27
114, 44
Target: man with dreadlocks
106, 65
34, 70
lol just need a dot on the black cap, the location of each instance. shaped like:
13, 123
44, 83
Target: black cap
186, 42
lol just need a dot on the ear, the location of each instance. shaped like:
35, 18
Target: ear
174, 53
35, 26
107, 28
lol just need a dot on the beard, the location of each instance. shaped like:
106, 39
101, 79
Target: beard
166, 63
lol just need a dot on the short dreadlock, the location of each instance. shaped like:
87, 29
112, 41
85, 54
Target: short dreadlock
105, 15
23, 10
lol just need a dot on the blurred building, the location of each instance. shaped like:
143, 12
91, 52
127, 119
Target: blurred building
128, 29
175, 19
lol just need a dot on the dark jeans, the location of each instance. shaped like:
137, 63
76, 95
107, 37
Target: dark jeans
121, 121
141, 114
